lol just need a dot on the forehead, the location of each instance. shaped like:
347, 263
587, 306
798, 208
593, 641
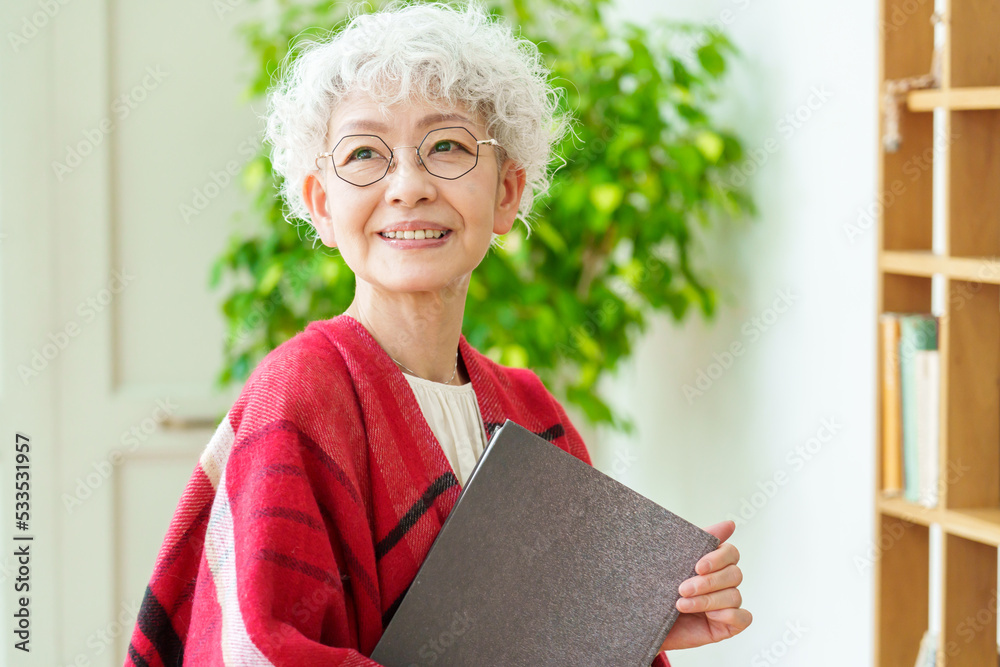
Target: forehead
356, 113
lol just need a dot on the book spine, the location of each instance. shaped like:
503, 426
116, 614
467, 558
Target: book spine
928, 406
892, 426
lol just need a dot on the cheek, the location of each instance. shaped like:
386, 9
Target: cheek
477, 201
350, 212
344, 199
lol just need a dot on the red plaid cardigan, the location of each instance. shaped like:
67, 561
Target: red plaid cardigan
313, 506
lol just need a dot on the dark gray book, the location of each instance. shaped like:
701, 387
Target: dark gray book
544, 560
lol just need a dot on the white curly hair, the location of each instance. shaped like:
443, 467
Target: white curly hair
433, 52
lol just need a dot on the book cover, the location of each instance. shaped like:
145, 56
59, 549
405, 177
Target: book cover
916, 332
544, 561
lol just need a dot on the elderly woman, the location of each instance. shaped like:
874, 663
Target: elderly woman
411, 140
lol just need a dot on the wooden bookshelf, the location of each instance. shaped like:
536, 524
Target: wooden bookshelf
968, 266
979, 525
958, 99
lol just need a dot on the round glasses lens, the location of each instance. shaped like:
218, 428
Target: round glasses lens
361, 159
449, 152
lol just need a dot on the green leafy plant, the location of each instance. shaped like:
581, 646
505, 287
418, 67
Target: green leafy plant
611, 243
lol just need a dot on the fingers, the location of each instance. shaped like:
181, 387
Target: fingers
725, 555
714, 589
730, 576
726, 598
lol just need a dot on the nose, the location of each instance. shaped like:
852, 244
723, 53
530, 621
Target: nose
408, 180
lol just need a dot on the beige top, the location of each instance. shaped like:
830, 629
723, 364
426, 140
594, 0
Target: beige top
453, 415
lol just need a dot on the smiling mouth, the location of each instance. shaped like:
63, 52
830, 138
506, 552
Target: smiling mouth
418, 234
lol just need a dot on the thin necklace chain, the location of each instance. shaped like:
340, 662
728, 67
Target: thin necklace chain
454, 371
448, 381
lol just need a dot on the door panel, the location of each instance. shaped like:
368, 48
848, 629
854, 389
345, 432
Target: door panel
140, 105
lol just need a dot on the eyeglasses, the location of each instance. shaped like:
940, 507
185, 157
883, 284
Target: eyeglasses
447, 152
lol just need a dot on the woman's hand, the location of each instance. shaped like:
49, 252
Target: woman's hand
710, 602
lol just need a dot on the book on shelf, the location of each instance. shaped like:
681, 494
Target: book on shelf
927, 655
927, 401
910, 389
892, 427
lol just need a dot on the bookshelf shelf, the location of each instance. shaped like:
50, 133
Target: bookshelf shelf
956, 99
925, 263
951, 133
976, 525
907, 511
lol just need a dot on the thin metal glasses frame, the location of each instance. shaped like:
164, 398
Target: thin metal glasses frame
392, 155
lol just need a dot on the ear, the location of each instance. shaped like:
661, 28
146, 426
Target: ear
318, 204
509, 190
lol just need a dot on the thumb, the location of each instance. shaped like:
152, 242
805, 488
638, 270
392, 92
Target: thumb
723, 530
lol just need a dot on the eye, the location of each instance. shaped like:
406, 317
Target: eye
361, 154
448, 146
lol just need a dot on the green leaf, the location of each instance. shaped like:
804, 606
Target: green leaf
270, 279
711, 60
710, 144
515, 356
254, 174
606, 197
550, 237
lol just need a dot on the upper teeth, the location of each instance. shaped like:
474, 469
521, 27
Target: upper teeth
416, 234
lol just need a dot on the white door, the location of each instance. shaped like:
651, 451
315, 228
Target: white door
122, 129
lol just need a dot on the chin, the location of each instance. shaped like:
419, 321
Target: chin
421, 283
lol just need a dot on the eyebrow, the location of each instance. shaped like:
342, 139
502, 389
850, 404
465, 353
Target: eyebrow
375, 126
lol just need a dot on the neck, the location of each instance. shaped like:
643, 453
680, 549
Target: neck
418, 330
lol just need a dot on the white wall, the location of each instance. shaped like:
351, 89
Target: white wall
703, 459
813, 365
